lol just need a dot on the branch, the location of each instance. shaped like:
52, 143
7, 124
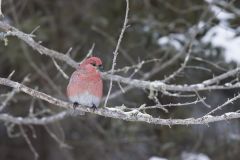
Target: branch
28, 38
60, 69
33, 120
159, 85
25, 136
11, 94
116, 113
174, 74
1, 14
229, 101
115, 53
156, 85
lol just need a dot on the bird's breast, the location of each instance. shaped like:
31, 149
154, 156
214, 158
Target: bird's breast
85, 99
85, 83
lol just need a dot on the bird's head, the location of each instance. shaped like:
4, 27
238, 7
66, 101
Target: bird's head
94, 62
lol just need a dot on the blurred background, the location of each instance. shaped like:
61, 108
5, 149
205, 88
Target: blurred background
158, 29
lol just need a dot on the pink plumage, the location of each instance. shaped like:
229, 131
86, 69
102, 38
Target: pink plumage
85, 86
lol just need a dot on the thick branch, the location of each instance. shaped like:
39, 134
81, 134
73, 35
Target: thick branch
159, 86
156, 85
27, 38
134, 115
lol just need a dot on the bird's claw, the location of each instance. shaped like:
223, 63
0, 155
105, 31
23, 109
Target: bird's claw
75, 105
94, 107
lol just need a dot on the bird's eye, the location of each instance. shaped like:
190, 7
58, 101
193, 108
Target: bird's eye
94, 64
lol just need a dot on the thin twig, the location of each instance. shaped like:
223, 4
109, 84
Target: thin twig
90, 52
132, 82
54, 136
12, 93
224, 104
36, 155
115, 53
210, 63
169, 105
59, 69
202, 100
1, 14
174, 74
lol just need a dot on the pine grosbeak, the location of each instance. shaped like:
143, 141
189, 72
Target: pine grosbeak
85, 86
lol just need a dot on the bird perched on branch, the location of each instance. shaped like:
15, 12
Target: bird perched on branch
85, 86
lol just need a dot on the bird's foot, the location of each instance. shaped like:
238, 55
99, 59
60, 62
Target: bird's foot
75, 105
94, 107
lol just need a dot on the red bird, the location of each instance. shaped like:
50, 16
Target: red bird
85, 86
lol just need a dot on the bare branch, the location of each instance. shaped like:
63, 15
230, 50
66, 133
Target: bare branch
1, 14
27, 38
33, 120
36, 156
223, 76
169, 105
229, 101
54, 136
115, 53
90, 52
60, 70
182, 66
133, 115
11, 94
210, 63
158, 85
202, 100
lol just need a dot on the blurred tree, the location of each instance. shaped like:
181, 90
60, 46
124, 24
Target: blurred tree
159, 32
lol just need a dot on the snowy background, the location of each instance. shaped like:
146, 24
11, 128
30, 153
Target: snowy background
158, 30
221, 35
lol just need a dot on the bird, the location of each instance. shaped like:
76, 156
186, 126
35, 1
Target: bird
85, 86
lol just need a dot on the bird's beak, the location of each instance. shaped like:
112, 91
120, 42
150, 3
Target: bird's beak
100, 68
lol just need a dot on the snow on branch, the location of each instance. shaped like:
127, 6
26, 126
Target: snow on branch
210, 84
156, 85
137, 113
118, 113
122, 112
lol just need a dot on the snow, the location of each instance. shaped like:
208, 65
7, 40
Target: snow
157, 158
208, 116
199, 86
234, 136
156, 84
194, 156
221, 14
209, 1
172, 40
222, 35
231, 114
133, 112
226, 39
116, 109
144, 115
